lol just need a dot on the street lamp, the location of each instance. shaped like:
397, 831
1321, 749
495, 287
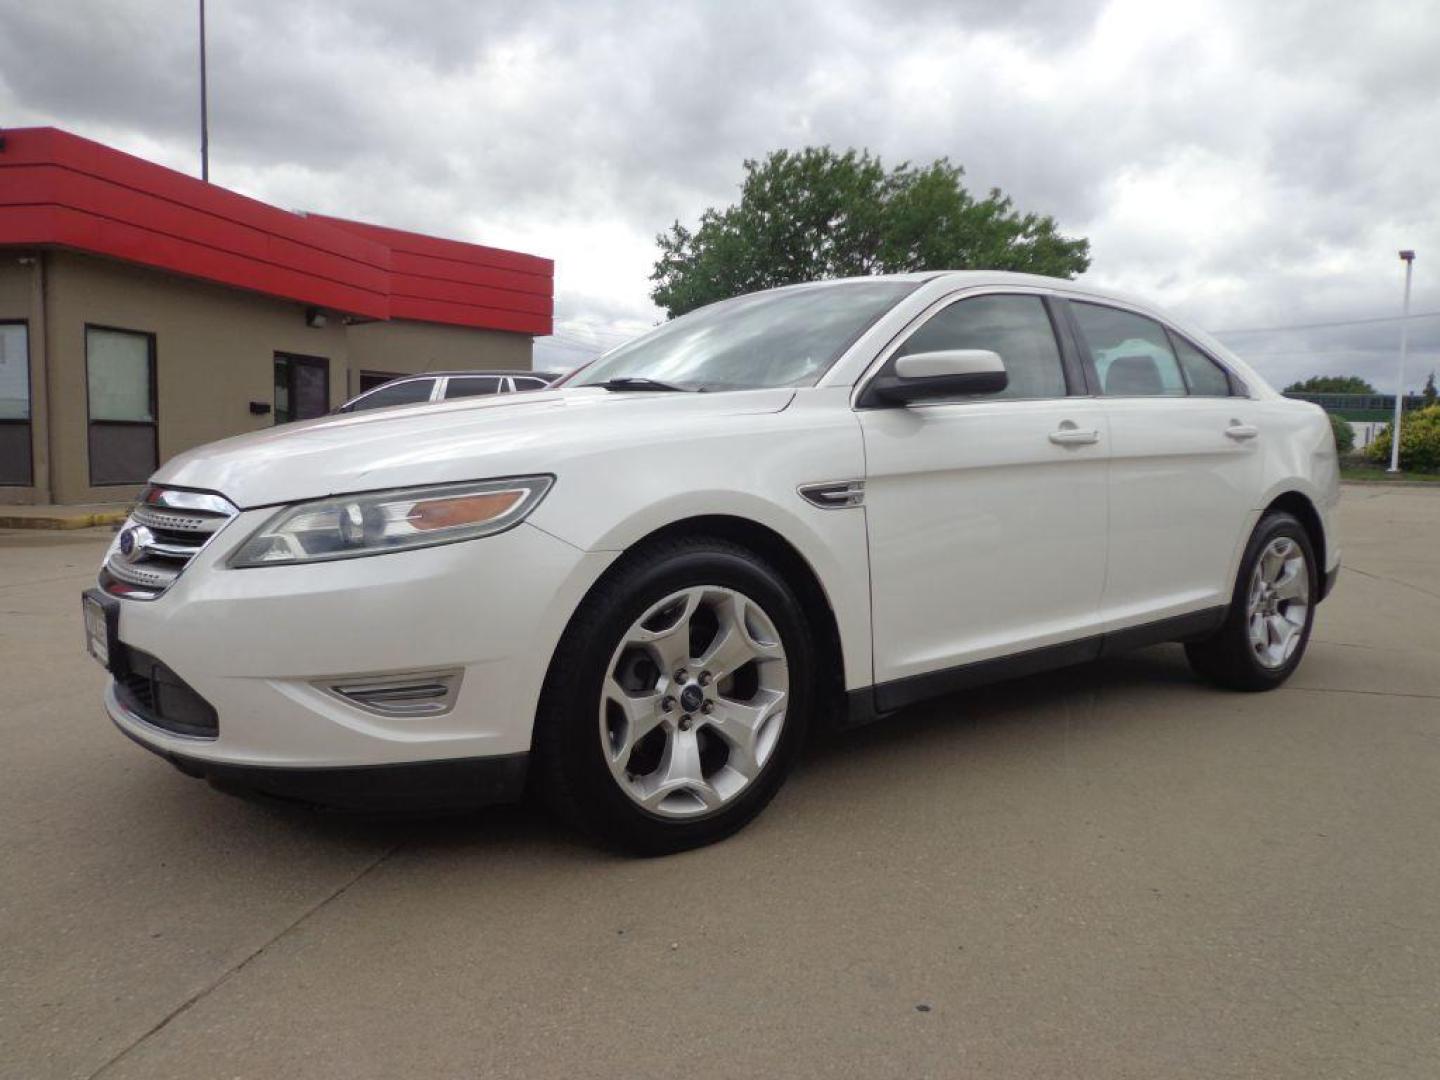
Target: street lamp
1408, 258
204, 104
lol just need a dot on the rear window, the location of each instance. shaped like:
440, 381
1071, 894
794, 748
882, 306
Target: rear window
1205, 376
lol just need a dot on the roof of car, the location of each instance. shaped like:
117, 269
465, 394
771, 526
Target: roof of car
515, 373
952, 278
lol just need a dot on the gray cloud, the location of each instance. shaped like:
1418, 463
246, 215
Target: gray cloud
1250, 165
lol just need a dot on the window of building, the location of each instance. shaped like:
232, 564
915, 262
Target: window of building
302, 387
15, 432
120, 378
458, 386
1015, 327
1131, 354
1205, 377
369, 380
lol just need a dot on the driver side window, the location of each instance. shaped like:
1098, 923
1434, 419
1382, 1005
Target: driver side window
1016, 327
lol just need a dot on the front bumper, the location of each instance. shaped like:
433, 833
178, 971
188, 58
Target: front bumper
419, 787
262, 645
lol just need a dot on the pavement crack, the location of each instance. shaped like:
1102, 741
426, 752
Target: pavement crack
1368, 693
1393, 581
225, 976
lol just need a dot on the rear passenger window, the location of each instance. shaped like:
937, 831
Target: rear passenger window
1016, 327
471, 387
1205, 377
1131, 354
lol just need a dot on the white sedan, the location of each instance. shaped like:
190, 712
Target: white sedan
634, 592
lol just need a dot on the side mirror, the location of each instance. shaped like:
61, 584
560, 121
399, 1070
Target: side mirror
949, 373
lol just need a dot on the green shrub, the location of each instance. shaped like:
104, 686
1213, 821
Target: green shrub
1419, 441
1344, 433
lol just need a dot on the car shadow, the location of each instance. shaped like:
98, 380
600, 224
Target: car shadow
1010, 702
1023, 710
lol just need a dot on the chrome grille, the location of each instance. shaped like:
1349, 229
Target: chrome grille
167, 529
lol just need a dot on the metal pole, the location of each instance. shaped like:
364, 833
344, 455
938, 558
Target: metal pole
204, 105
1408, 257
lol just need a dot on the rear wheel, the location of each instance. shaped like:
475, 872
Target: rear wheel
677, 699
1271, 612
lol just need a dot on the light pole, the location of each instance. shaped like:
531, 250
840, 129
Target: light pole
1408, 257
204, 105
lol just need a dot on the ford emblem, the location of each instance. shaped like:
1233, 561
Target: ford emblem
134, 542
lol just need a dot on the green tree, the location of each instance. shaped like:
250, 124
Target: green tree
815, 213
1419, 441
1429, 393
1344, 433
1331, 384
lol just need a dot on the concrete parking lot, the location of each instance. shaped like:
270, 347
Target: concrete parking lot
1112, 871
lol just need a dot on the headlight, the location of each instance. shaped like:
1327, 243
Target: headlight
349, 526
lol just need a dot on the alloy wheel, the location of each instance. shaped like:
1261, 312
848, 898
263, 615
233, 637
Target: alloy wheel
1279, 602
693, 701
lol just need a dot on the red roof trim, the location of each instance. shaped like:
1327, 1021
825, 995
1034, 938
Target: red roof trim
57, 189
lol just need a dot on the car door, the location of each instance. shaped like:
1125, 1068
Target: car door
1184, 464
986, 515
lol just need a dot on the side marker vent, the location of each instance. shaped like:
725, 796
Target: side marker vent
835, 495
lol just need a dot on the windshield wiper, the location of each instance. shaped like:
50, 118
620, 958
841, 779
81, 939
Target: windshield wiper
638, 382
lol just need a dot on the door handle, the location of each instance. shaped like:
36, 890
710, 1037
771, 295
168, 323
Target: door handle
1069, 435
1240, 432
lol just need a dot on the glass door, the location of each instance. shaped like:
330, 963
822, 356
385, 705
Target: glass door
302, 387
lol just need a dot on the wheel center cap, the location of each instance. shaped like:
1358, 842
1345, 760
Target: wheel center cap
691, 698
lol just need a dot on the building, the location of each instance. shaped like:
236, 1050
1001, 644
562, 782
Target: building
144, 312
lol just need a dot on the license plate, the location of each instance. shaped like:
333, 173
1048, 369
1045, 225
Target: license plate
97, 637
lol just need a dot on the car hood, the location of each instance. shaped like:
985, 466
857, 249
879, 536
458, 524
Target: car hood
469, 439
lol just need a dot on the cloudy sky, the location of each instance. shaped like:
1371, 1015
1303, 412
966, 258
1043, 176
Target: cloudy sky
1252, 165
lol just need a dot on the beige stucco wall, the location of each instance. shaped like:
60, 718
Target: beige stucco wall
215, 351
214, 354
407, 348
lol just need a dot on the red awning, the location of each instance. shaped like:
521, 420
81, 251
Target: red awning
59, 190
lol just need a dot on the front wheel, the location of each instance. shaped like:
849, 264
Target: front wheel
678, 697
1268, 626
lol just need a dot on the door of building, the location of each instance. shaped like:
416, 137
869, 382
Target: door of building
302, 387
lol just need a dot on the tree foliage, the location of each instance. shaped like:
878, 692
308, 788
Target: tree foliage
1419, 441
1331, 384
1429, 393
816, 213
1344, 433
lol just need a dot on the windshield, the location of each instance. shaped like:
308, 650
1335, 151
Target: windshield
786, 337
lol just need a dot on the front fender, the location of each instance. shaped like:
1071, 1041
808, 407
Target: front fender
752, 469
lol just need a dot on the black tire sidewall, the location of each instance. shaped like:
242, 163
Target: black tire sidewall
639, 585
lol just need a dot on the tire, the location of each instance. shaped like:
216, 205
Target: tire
637, 748
1234, 657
